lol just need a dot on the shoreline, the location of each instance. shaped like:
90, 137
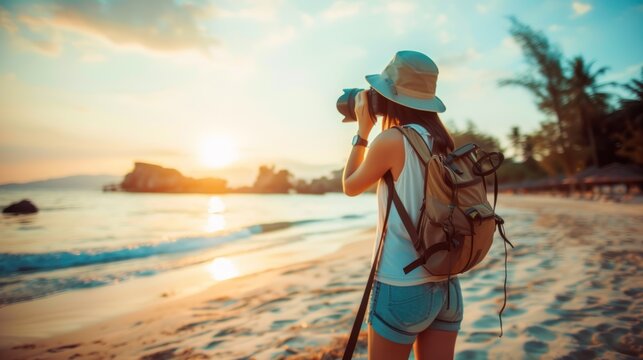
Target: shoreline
306, 309
162, 311
33, 317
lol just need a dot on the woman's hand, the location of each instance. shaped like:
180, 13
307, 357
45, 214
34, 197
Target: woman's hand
365, 120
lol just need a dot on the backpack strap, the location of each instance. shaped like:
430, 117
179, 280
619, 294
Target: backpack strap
359, 318
404, 215
417, 143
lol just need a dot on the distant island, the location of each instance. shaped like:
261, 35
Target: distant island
75, 182
147, 177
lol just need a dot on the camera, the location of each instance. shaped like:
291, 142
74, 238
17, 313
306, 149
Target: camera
346, 103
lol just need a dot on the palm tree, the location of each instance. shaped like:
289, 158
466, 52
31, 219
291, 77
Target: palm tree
629, 121
586, 100
635, 86
546, 81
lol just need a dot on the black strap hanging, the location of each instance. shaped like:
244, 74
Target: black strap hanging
359, 318
500, 222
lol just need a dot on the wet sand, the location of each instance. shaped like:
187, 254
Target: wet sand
575, 292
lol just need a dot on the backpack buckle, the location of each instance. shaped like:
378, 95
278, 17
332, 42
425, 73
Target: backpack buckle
472, 213
448, 229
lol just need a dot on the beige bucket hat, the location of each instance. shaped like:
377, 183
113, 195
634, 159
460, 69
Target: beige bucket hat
409, 79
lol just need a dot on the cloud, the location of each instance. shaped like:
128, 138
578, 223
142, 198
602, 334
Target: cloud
257, 10
554, 27
280, 37
307, 20
92, 58
510, 44
441, 20
399, 14
157, 25
400, 7
482, 8
444, 37
459, 59
626, 74
341, 9
581, 8
6, 21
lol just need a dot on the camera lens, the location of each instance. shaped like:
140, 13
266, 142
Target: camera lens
346, 104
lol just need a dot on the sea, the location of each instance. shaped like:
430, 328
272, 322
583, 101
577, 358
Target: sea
84, 239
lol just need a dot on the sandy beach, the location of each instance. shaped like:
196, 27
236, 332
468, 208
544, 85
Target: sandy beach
575, 292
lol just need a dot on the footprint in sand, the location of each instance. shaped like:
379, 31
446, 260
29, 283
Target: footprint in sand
295, 271
263, 307
291, 341
163, 354
294, 289
325, 293
212, 344
540, 333
553, 322
327, 319
535, 348
316, 307
486, 322
565, 297
223, 302
472, 355
328, 304
515, 296
199, 334
63, 348
224, 332
580, 354
616, 307
161, 345
279, 324
481, 337
193, 325
583, 337
620, 340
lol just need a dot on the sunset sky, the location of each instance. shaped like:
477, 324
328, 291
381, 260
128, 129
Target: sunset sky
88, 87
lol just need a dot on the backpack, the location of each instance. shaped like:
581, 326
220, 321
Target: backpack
457, 223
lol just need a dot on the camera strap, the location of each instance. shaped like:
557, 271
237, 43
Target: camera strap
359, 318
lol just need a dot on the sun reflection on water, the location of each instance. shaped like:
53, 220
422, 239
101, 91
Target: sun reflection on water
215, 221
216, 205
222, 268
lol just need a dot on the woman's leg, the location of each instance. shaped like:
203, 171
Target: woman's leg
381, 348
435, 345
438, 340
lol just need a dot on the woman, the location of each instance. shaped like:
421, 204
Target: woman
406, 310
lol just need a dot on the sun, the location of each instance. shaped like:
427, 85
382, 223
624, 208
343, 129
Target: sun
218, 152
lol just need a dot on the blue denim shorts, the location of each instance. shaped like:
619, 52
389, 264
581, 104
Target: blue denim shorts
400, 313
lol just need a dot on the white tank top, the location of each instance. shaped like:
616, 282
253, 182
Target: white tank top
398, 249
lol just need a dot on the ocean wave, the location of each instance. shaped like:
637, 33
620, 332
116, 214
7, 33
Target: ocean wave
24, 263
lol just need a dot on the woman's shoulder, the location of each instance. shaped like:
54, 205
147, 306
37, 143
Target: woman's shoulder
389, 135
387, 140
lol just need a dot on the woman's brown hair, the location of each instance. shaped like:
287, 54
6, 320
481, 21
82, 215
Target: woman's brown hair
397, 115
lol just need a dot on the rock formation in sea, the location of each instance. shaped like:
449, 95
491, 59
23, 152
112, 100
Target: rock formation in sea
147, 177
21, 207
154, 178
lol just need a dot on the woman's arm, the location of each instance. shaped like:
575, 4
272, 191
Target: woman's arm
363, 170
